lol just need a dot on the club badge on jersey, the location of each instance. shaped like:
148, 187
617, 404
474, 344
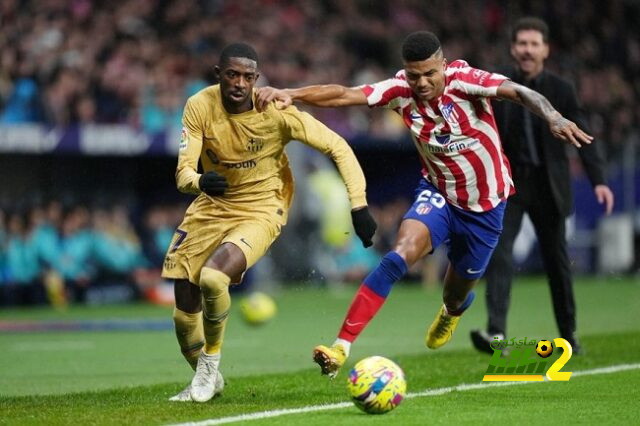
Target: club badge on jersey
423, 208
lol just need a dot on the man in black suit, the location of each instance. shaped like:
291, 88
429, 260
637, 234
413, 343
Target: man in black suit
541, 175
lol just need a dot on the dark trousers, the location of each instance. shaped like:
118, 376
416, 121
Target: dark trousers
533, 197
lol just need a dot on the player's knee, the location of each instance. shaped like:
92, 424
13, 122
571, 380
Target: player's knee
413, 242
213, 282
411, 249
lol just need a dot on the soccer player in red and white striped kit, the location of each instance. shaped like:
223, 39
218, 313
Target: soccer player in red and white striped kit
466, 180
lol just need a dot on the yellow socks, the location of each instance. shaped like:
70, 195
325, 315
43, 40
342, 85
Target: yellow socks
190, 334
215, 307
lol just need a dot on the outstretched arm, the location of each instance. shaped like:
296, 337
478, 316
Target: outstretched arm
560, 127
325, 95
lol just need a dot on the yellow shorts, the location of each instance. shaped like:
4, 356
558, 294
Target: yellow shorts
210, 222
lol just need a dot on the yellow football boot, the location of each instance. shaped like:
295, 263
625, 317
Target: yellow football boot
441, 329
330, 359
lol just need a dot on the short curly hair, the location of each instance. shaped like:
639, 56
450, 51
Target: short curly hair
237, 50
419, 46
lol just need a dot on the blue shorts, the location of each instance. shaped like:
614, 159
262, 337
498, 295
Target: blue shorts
470, 236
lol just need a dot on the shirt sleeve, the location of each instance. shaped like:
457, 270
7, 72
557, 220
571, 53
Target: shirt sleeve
187, 175
392, 93
306, 129
477, 82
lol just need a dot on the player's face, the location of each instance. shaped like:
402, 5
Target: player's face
426, 78
237, 77
530, 51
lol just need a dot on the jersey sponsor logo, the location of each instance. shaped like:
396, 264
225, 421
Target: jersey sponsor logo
255, 145
452, 147
249, 164
480, 75
449, 113
423, 208
184, 139
212, 156
443, 139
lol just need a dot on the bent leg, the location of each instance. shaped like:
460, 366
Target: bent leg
412, 242
227, 261
457, 297
472, 240
372, 294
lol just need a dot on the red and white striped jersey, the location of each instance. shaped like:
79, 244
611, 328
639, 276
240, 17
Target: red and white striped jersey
455, 134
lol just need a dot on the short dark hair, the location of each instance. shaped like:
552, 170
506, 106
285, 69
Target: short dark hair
237, 50
419, 46
530, 23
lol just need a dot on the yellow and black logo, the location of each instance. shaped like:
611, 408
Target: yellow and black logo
255, 145
169, 262
544, 348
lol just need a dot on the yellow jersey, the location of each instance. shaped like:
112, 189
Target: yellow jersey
248, 149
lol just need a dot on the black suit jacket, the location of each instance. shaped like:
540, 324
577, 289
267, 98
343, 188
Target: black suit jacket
563, 97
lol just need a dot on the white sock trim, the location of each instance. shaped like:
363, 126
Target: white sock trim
211, 357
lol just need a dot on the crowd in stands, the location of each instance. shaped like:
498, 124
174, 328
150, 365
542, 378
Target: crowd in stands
55, 253
136, 61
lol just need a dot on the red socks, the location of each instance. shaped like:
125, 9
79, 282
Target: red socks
363, 308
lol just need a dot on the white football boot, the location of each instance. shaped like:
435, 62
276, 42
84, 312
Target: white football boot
203, 385
185, 394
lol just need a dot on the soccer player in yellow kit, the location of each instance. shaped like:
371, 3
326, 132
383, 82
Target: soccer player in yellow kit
243, 198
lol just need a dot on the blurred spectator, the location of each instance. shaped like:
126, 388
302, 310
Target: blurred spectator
157, 234
23, 104
23, 270
75, 257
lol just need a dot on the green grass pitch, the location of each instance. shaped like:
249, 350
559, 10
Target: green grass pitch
125, 377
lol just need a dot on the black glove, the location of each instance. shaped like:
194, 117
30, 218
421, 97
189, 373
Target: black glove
212, 183
364, 225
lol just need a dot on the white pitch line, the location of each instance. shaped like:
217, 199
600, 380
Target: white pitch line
429, 392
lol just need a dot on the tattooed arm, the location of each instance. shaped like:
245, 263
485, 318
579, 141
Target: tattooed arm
560, 127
